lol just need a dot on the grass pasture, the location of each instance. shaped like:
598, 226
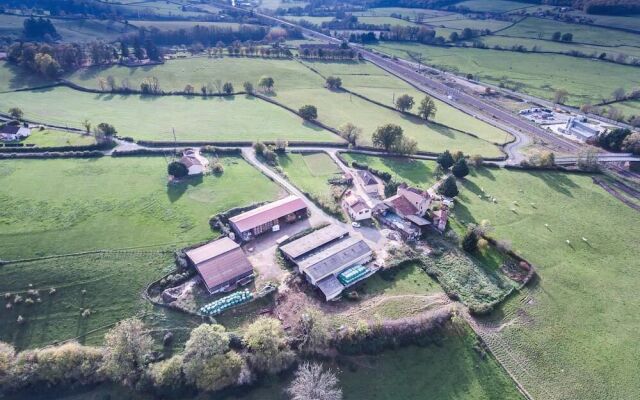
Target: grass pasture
57, 138
586, 80
574, 329
177, 25
112, 283
309, 173
628, 107
12, 78
412, 13
461, 23
415, 172
494, 6
385, 21
295, 86
152, 117
114, 203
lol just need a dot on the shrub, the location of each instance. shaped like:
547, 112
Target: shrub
445, 160
128, 347
470, 241
308, 112
449, 188
217, 168
177, 169
460, 168
259, 148
267, 345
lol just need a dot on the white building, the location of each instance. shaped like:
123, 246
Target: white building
356, 207
195, 162
10, 133
419, 198
369, 183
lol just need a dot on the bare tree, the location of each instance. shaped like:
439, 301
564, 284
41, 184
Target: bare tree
311, 382
87, 125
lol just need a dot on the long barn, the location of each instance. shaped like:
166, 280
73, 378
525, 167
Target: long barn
269, 217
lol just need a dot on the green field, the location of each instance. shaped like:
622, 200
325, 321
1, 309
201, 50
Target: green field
297, 85
461, 23
176, 25
152, 118
541, 28
113, 283
415, 172
385, 21
496, 6
70, 30
412, 13
586, 80
160, 8
113, 203
12, 78
615, 21
314, 20
628, 107
309, 173
56, 138
572, 334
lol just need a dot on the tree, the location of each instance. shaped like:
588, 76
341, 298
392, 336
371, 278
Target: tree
189, 89
128, 347
313, 331
7, 359
168, 373
267, 345
470, 241
445, 160
387, 136
311, 382
209, 364
404, 103
248, 87
448, 188
350, 133
476, 160
47, 66
460, 168
227, 88
177, 169
556, 36
560, 96
308, 112
87, 126
619, 94
612, 140
547, 159
266, 83
427, 108
259, 148
406, 146
588, 160
16, 113
106, 129
333, 82
454, 37
567, 37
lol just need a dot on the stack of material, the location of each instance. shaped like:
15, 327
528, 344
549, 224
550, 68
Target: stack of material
226, 302
352, 274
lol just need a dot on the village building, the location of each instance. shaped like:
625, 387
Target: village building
440, 218
10, 133
269, 217
330, 259
369, 183
356, 207
195, 162
404, 211
221, 264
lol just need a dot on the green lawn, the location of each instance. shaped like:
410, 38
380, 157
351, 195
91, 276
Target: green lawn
410, 279
615, 21
55, 138
586, 80
12, 78
113, 203
628, 107
152, 118
297, 85
574, 333
496, 6
310, 172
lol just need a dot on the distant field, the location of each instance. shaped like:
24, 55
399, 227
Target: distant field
161, 8
542, 28
581, 315
412, 13
497, 6
152, 118
586, 80
94, 211
313, 20
385, 21
628, 108
175, 25
56, 138
296, 85
479, 24
615, 21
69, 30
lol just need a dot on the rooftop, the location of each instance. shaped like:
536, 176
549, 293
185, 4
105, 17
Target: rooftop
312, 241
401, 205
220, 261
330, 287
269, 212
367, 177
334, 258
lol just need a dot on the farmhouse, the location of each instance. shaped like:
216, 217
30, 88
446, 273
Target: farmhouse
195, 162
356, 207
11, 133
369, 183
268, 217
221, 264
330, 259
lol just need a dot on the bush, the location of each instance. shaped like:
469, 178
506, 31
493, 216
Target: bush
470, 241
308, 112
217, 168
449, 188
177, 169
460, 168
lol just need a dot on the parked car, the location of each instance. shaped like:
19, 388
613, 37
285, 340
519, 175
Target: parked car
355, 224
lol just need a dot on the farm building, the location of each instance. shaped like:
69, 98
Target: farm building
221, 264
195, 162
330, 259
268, 217
11, 133
356, 207
409, 201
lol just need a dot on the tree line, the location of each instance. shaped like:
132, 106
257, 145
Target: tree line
206, 35
39, 28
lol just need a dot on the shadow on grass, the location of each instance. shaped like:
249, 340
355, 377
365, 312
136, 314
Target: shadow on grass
557, 181
177, 189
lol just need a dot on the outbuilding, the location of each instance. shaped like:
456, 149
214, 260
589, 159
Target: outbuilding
221, 264
269, 217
